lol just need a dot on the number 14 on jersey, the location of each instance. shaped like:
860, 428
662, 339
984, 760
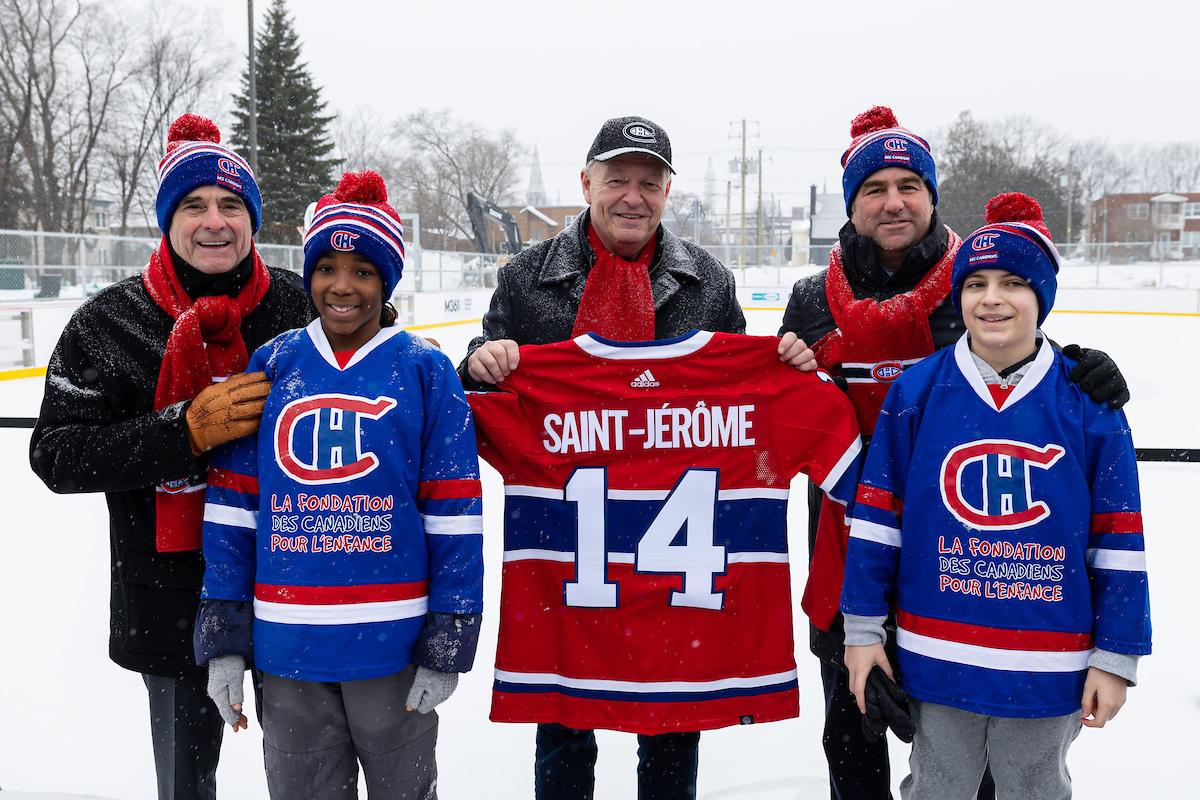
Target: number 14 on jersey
692, 504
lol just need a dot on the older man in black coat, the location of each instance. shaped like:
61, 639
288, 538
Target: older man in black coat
615, 269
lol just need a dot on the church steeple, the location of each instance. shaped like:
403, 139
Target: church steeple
536, 194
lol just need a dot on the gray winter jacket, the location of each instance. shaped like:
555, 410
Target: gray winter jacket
538, 292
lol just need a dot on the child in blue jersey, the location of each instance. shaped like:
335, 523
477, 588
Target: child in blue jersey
343, 544
999, 516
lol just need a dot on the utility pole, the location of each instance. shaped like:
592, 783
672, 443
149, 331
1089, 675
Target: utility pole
742, 174
253, 95
728, 219
1070, 192
696, 220
742, 226
758, 217
812, 212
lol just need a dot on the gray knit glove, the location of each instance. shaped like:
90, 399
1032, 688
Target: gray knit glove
225, 677
430, 688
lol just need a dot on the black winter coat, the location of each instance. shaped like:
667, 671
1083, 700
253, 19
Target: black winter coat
98, 432
809, 317
538, 292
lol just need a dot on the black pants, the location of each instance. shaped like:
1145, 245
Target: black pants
858, 769
565, 760
186, 730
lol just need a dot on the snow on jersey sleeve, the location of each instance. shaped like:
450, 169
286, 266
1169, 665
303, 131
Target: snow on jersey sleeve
818, 437
231, 521
1116, 556
231, 510
873, 552
449, 496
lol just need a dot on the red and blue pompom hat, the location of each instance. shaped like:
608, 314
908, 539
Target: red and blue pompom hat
878, 142
357, 218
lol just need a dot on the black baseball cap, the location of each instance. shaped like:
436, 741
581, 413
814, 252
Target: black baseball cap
623, 135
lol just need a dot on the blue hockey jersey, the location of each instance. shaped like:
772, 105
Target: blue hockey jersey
1010, 539
354, 511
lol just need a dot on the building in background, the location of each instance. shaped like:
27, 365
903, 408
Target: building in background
1157, 226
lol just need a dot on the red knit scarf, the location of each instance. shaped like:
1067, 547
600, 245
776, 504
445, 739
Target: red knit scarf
871, 341
205, 345
617, 302
873, 337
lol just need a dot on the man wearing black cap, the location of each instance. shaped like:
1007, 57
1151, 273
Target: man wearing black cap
617, 272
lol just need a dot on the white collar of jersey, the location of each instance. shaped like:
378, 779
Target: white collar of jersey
684, 345
317, 334
1037, 371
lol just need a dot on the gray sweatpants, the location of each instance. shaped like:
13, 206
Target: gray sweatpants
1028, 757
315, 735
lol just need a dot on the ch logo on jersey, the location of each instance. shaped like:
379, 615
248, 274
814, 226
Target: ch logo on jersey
886, 371
895, 145
984, 241
318, 439
175, 486
343, 240
1007, 483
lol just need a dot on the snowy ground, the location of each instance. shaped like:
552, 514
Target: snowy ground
75, 723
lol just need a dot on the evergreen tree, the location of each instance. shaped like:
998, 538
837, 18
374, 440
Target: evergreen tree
977, 162
294, 142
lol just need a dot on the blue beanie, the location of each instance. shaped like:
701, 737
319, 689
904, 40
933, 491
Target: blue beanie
878, 142
357, 218
1016, 240
195, 157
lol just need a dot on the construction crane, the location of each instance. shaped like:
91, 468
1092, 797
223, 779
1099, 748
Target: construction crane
479, 209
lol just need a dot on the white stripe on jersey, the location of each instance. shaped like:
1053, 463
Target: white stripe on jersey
839, 469
992, 657
1121, 560
753, 493
568, 557
457, 525
648, 687
230, 515
874, 532
340, 613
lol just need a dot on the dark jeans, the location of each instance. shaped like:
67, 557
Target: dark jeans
858, 769
186, 730
565, 760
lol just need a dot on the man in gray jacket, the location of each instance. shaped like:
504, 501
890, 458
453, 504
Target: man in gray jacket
615, 270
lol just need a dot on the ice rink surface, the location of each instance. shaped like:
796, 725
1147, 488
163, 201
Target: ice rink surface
75, 723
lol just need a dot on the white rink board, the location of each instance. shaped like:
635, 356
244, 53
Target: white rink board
76, 723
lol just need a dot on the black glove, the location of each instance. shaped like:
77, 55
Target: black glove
1098, 375
887, 707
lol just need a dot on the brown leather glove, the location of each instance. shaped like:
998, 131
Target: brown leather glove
226, 411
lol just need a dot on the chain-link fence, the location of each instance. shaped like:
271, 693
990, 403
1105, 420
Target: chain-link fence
35, 265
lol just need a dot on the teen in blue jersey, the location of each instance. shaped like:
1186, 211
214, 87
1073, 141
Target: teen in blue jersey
343, 544
999, 512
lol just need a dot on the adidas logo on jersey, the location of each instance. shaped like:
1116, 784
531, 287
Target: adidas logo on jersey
644, 381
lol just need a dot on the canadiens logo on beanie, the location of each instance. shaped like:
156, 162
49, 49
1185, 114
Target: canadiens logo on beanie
195, 157
357, 218
878, 142
1015, 239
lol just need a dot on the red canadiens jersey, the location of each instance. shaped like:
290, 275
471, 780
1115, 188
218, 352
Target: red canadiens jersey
646, 584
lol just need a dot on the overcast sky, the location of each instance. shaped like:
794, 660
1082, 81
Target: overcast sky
554, 71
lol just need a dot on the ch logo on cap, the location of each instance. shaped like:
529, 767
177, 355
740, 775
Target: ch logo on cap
228, 167
895, 145
984, 241
343, 240
639, 132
